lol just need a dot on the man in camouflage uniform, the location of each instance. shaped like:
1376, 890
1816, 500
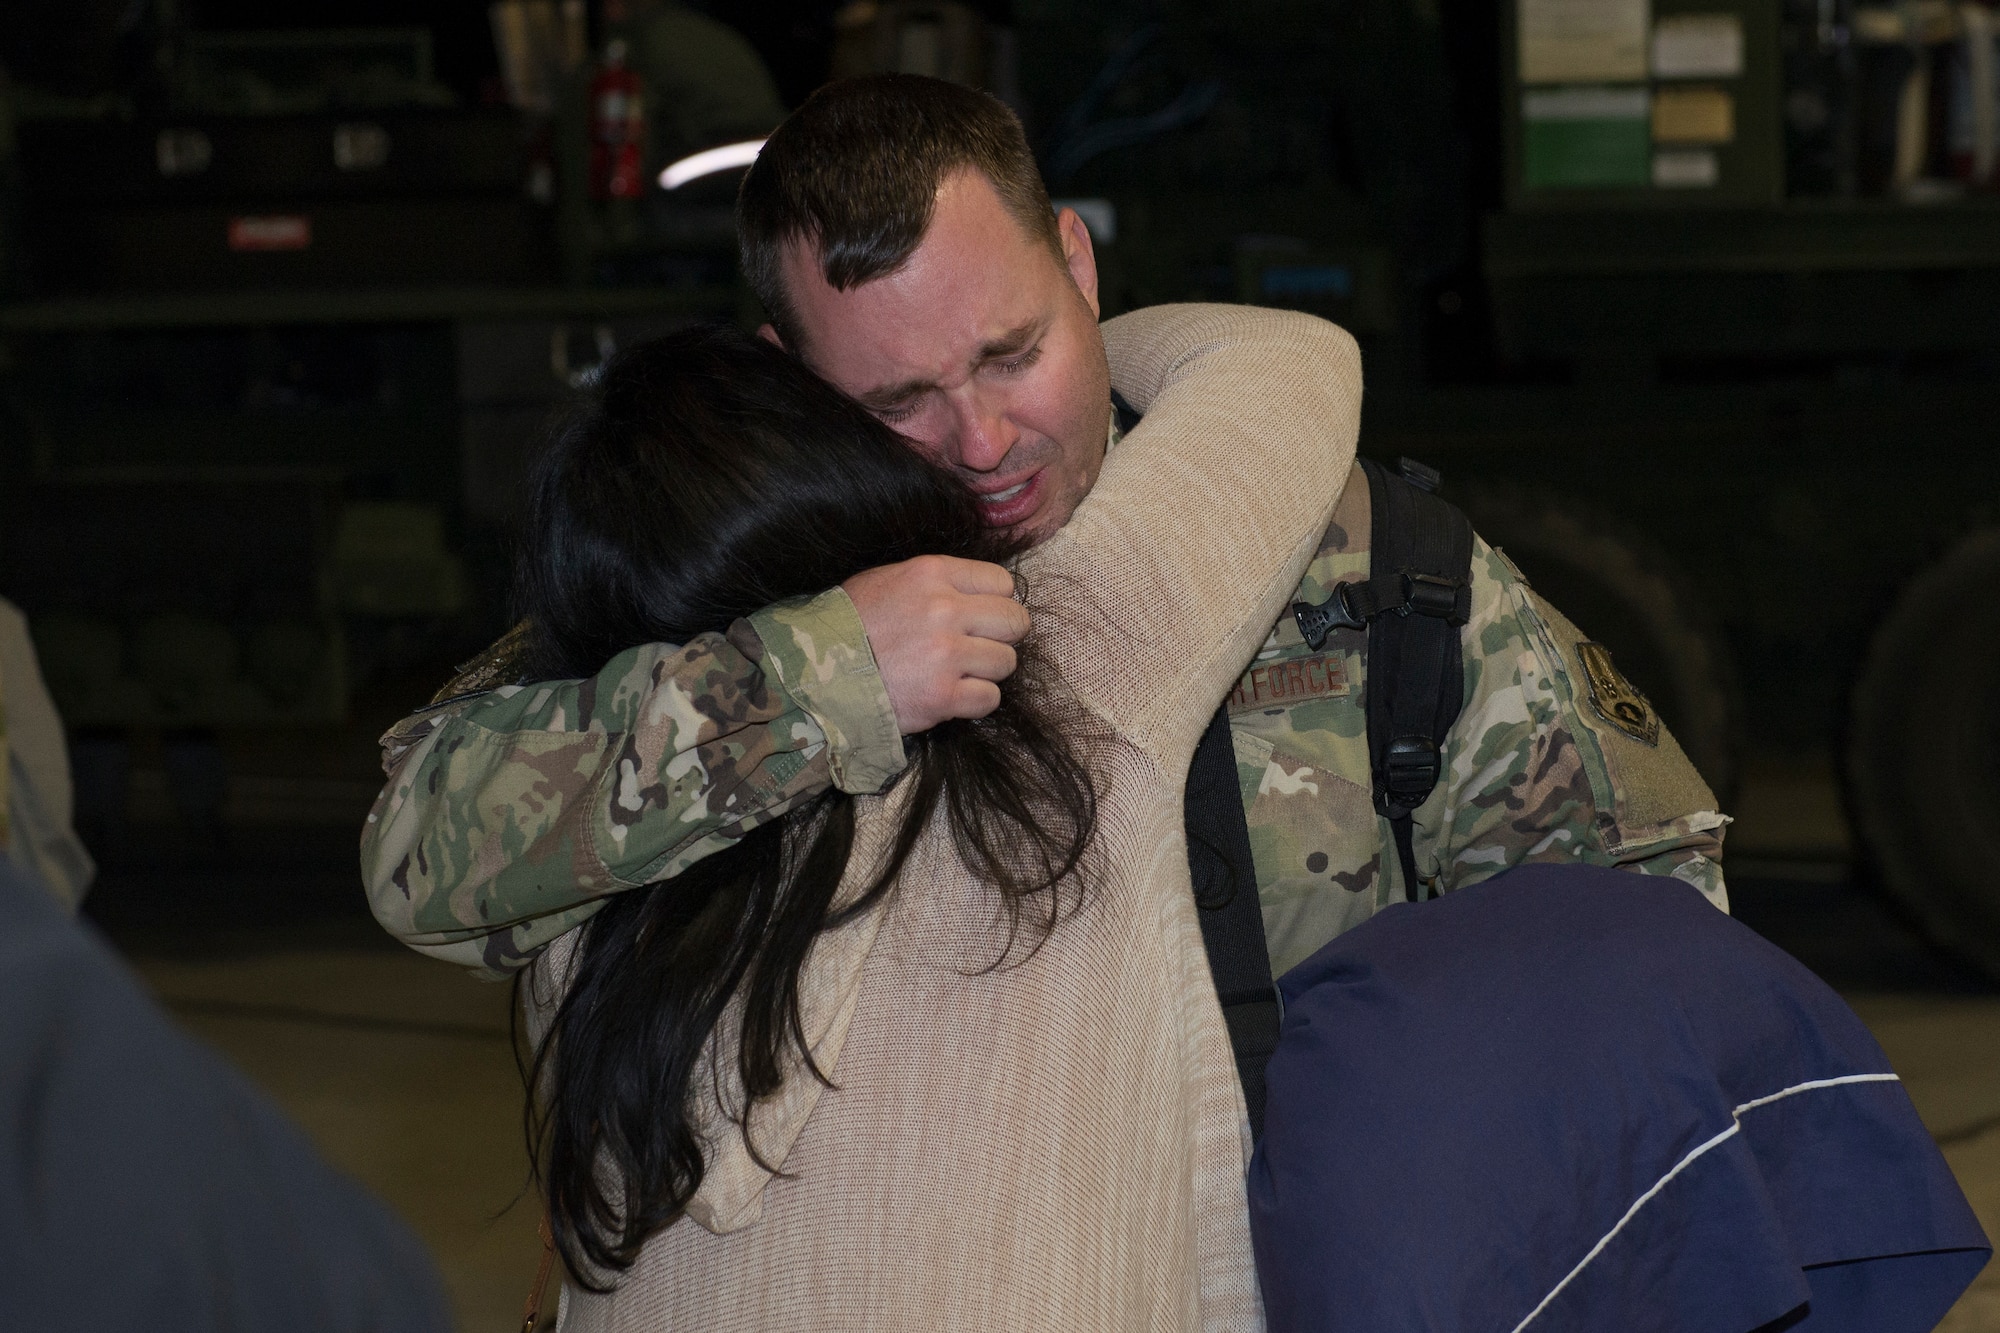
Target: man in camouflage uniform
511, 812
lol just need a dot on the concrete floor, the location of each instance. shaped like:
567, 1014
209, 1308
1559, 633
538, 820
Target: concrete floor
402, 1070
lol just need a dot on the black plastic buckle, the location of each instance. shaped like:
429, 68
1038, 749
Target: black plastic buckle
1429, 595
1410, 770
1336, 612
1420, 475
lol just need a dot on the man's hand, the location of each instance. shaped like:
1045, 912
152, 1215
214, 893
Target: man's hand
942, 630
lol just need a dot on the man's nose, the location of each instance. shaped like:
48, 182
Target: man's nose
985, 435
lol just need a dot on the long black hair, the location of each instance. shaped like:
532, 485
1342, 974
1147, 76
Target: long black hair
709, 475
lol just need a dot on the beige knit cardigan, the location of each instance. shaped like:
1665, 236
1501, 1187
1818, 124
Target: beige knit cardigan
1058, 1144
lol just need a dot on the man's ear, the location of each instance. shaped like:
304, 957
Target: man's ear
1078, 257
770, 335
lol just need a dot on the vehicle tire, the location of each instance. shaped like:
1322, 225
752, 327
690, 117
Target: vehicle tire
1922, 758
1620, 588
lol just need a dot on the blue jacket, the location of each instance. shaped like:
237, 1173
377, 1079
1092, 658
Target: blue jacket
1574, 1098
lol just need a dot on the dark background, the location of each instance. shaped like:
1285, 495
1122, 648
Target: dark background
258, 504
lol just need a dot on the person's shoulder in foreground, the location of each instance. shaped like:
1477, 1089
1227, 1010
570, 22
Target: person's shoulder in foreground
147, 1186
1612, 1108
36, 803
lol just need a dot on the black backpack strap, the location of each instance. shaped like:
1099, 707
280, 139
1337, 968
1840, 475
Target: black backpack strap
1231, 915
1417, 597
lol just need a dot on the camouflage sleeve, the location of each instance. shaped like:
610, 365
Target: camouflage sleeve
508, 817
1538, 774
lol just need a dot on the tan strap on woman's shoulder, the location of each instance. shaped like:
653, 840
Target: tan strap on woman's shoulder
531, 1314
6, 795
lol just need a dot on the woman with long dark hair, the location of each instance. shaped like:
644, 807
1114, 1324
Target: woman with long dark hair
710, 475
948, 1055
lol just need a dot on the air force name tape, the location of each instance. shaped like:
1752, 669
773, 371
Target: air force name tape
1284, 683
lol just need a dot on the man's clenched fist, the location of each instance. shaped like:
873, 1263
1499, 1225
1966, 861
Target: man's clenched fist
943, 631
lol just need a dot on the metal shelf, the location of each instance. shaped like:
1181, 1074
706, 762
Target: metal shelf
385, 305
1794, 238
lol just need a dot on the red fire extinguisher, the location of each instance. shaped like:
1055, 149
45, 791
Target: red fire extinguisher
617, 129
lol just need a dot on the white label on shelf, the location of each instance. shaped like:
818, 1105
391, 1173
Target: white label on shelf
1684, 169
1693, 115
1698, 46
1577, 41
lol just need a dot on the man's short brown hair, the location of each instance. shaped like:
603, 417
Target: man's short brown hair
854, 173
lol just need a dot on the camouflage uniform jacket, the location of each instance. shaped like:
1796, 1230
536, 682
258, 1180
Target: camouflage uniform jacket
509, 815
1531, 770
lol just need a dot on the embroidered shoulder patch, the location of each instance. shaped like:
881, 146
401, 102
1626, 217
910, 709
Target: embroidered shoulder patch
1615, 698
499, 665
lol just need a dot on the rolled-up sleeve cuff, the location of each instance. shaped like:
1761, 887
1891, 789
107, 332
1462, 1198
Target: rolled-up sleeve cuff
817, 649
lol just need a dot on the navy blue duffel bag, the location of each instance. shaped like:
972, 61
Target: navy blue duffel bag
1571, 1098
